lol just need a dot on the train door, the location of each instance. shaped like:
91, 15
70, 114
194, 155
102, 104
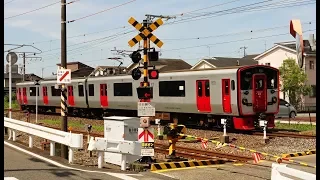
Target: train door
19, 96
103, 95
259, 92
226, 97
24, 95
70, 96
203, 95
45, 95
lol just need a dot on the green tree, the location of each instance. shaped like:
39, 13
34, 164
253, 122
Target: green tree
293, 81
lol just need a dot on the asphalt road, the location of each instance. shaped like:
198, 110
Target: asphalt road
23, 166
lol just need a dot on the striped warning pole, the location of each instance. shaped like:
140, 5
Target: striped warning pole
278, 158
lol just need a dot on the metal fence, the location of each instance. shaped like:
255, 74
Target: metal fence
306, 108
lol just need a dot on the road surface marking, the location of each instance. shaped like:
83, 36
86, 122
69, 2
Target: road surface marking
118, 175
10, 178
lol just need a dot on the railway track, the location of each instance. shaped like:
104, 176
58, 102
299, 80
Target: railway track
285, 134
270, 134
199, 154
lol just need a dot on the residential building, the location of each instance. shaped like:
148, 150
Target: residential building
219, 62
279, 52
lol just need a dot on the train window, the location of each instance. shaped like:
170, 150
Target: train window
172, 88
91, 89
232, 85
55, 92
207, 89
122, 89
199, 87
80, 90
226, 87
33, 91
259, 84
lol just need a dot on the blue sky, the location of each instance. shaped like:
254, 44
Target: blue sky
44, 25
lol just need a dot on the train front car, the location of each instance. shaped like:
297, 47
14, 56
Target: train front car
258, 96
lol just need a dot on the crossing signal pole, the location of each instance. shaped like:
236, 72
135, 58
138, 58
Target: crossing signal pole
144, 91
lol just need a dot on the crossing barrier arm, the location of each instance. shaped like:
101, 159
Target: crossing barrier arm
278, 158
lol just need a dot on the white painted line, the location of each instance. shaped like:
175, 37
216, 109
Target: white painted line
163, 174
10, 178
118, 175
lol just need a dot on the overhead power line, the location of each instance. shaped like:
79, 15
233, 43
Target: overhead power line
242, 9
32, 10
232, 34
226, 42
80, 35
9, 2
101, 11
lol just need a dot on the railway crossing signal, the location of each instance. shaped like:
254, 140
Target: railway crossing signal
145, 32
135, 56
153, 74
145, 92
136, 73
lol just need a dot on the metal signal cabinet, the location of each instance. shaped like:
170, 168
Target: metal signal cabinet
120, 128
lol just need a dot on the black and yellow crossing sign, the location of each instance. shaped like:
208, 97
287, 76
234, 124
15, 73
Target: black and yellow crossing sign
145, 32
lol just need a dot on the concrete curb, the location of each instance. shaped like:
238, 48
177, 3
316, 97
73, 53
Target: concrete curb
183, 164
304, 153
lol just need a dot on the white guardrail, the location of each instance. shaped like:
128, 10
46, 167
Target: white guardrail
73, 141
278, 169
122, 147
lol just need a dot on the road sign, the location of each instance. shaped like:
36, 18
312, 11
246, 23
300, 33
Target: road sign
146, 109
296, 32
145, 135
63, 76
145, 32
14, 58
147, 149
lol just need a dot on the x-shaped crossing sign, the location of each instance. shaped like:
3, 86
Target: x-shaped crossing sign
145, 32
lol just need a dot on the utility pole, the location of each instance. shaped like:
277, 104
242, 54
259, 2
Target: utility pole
24, 66
244, 50
64, 108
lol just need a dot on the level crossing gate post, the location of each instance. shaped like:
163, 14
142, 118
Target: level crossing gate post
224, 138
30, 141
264, 124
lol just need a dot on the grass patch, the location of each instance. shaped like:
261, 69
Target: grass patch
14, 105
72, 124
297, 127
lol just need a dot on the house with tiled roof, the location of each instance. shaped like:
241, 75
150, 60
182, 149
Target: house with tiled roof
219, 62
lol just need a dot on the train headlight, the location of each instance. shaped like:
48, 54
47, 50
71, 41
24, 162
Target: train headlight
244, 101
274, 99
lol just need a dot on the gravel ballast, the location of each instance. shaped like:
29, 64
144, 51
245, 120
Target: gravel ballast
276, 145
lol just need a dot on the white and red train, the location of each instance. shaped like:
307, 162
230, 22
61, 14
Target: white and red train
239, 94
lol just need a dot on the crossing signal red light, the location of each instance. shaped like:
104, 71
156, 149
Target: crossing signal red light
135, 56
145, 92
136, 73
153, 74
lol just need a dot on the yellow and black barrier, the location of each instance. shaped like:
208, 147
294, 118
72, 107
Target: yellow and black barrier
184, 164
296, 154
278, 158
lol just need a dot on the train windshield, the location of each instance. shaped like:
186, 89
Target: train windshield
247, 74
